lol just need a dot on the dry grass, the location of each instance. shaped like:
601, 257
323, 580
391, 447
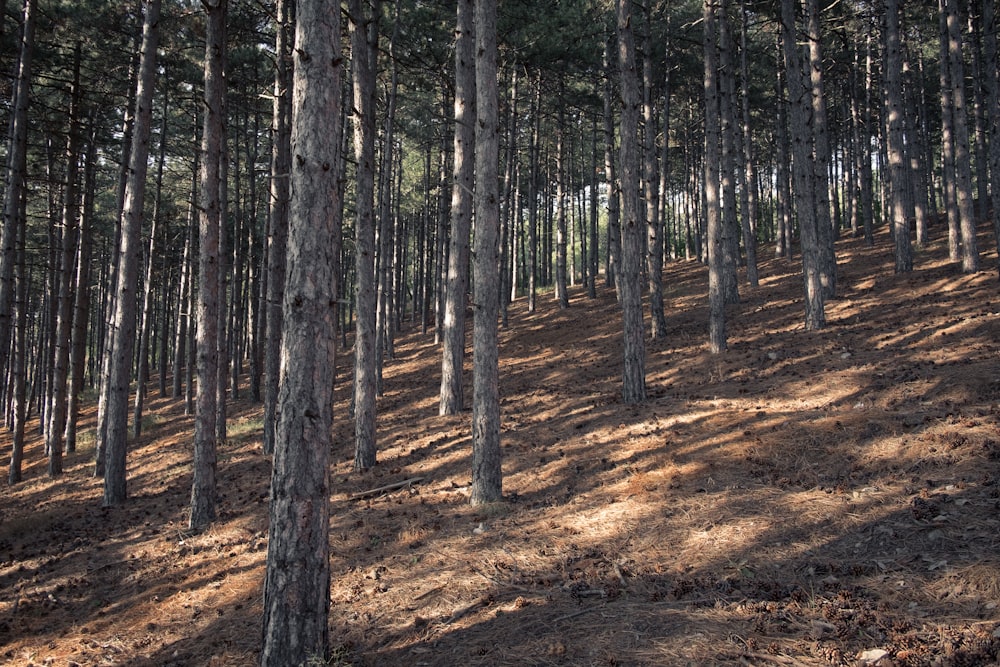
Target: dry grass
798, 500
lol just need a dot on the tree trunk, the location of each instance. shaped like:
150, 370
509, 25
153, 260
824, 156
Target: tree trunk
730, 247
13, 218
297, 581
801, 110
611, 177
821, 154
993, 97
207, 400
277, 219
562, 175
713, 203
115, 434
651, 189
487, 476
963, 168
452, 395
64, 326
633, 341
897, 166
363, 54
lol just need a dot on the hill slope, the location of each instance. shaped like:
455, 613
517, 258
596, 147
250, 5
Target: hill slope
802, 499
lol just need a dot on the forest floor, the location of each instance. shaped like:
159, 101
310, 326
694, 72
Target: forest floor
806, 498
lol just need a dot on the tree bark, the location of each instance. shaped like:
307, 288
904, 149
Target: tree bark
487, 477
452, 393
897, 165
713, 203
207, 400
297, 580
800, 112
363, 53
64, 325
115, 433
651, 189
633, 341
277, 219
992, 77
16, 178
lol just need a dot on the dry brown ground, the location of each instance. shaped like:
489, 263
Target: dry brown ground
803, 499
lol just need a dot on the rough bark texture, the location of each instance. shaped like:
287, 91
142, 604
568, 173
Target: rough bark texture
452, 399
713, 203
116, 388
365, 375
897, 165
16, 162
487, 478
821, 154
633, 342
297, 582
800, 112
651, 182
992, 77
64, 325
611, 177
207, 399
963, 167
277, 238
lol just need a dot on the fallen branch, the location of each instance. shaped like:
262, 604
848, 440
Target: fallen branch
382, 489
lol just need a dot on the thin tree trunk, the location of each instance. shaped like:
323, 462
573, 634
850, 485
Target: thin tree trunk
611, 177
13, 218
452, 394
651, 182
64, 326
993, 97
278, 219
713, 202
487, 479
801, 109
364, 38
897, 166
633, 342
115, 433
209, 257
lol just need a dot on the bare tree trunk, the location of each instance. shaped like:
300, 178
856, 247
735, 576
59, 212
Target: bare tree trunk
81, 303
801, 109
116, 388
611, 177
897, 166
562, 175
651, 189
963, 167
748, 200
821, 154
993, 97
13, 218
713, 202
297, 582
633, 341
452, 394
487, 477
730, 247
363, 54
19, 367
278, 219
147, 301
207, 400
64, 325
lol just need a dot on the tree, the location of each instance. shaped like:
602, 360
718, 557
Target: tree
297, 581
993, 97
277, 237
962, 161
115, 429
897, 175
486, 472
800, 113
364, 44
713, 202
207, 400
452, 394
633, 342
13, 221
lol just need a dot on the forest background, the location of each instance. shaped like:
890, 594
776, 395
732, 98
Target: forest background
726, 133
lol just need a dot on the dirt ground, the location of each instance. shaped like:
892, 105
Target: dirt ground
805, 498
